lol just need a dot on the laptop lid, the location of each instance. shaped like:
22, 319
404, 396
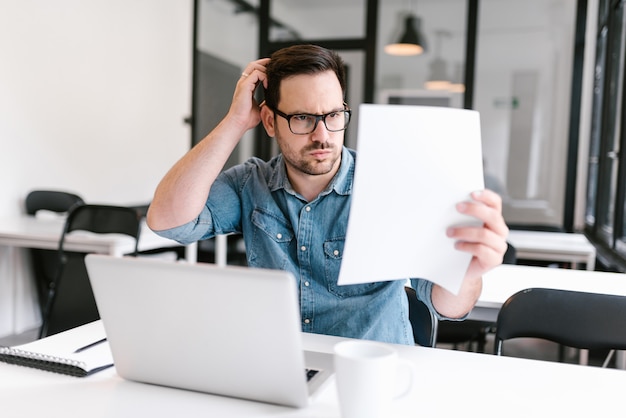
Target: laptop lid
231, 330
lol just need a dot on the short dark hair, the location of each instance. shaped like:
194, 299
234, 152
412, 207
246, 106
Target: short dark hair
301, 59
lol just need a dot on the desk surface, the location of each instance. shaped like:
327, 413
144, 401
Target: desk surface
561, 241
553, 246
26, 231
450, 383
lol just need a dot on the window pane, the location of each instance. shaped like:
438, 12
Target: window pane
402, 79
523, 82
227, 40
300, 20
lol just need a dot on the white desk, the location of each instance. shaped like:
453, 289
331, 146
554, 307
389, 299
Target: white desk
505, 280
450, 383
553, 246
31, 232
18, 299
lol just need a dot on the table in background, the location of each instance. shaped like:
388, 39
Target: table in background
449, 383
553, 246
19, 310
505, 280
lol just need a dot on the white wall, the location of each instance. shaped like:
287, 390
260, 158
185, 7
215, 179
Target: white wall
92, 96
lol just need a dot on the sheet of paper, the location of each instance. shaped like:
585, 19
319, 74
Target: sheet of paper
414, 164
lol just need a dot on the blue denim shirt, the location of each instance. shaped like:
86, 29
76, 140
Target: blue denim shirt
282, 230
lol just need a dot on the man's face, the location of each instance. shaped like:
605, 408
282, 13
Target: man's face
319, 152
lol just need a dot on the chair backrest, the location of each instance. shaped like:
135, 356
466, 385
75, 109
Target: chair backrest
423, 320
574, 319
52, 200
70, 300
510, 256
103, 219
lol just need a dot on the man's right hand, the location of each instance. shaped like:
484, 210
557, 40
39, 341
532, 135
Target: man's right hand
244, 107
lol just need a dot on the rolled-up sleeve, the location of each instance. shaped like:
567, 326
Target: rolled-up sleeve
221, 213
194, 230
424, 290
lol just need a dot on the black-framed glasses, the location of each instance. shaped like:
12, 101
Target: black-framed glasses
304, 123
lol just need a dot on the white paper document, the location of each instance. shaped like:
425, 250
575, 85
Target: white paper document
414, 164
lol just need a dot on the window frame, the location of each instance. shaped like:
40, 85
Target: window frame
606, 192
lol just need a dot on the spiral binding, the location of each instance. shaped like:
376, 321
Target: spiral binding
44, 362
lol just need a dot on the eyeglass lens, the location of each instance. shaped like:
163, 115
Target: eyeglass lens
305, 124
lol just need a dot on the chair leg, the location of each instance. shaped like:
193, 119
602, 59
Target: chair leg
43, 330
482, 341
498, 347
45, 314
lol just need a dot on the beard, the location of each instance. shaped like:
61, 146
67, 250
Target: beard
301, 160
308, 164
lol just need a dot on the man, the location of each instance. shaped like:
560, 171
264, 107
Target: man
293, 210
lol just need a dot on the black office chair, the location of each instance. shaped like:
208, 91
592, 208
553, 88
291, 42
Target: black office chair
423, 320
70, 301
52, 200
45, 262
573, 319
471, 332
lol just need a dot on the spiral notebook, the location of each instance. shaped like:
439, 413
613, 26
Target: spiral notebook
80, 353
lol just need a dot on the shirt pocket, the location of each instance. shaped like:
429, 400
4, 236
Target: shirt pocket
333, 253
272, 237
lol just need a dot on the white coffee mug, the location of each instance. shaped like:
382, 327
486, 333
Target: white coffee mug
366, 374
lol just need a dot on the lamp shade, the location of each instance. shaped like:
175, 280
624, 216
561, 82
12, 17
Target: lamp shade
438, 79
457, 85
411, 41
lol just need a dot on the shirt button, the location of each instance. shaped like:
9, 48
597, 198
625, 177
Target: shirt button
308, 208
303, 248
279, 236
307, 321
306, 284
336, 252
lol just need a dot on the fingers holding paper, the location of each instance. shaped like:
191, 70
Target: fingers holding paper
486, 243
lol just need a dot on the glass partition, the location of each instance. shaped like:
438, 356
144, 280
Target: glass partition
302, 20
408, 79
226, 41
522, 77
522, 91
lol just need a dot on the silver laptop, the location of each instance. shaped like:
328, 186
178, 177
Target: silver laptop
232, 331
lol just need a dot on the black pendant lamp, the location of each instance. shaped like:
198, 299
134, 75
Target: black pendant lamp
411, 41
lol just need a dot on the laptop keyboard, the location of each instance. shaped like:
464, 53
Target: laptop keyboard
310, 373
